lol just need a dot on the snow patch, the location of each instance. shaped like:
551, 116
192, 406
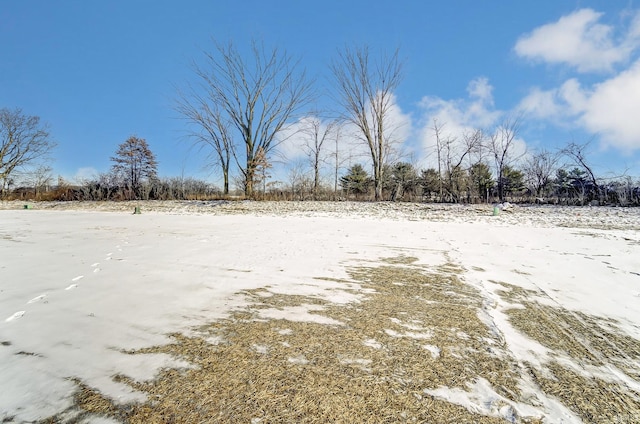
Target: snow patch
372, 343
435, 350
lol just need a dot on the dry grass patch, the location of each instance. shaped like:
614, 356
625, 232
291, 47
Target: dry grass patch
593, 399
414, 331
588, 342
514, 293
580, 336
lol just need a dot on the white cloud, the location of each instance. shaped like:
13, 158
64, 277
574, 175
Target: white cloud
457, 117
292, 139
579, 40
480, 89
541, 104
352, 149
85, 174
294, 142
612, 110
556, 104
400, 123
608, 109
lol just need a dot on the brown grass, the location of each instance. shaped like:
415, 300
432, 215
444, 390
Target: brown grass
587, 341
373, 368
593, 399
375, 365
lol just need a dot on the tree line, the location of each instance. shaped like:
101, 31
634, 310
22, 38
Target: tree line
565, 186
240, 108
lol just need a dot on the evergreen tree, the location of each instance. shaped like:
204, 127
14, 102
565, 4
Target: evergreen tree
356, 181
481, 179
430, 182
512, 180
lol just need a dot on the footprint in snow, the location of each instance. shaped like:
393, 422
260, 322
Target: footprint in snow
15, 316
79, 277
95, 265
72, 286
38, 298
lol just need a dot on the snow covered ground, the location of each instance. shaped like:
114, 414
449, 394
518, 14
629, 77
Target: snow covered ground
80, 284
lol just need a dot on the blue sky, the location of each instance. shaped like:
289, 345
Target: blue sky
100, 71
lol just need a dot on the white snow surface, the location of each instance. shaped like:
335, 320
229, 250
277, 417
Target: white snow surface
80, 287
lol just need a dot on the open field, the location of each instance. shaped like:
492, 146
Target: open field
318, 312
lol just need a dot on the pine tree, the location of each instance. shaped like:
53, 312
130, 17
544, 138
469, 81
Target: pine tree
356, 181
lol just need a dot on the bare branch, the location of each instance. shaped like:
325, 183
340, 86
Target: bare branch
23, 141
366, 91
502, 143
249, 99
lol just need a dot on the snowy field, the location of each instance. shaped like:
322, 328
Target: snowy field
537, 310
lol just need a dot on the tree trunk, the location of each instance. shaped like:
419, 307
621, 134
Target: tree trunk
316, 177
248, 184
377, 178
226, 182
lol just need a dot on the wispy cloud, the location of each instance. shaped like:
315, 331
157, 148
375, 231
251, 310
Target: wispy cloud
85, 174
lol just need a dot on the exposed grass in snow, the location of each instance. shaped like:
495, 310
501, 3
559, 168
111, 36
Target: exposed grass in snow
374, 367
594, 346
377, 363
593, 399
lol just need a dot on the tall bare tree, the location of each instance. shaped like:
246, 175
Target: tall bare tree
365, 87
254, 96
502, 143
23, 141
210, 127
437, 131
316, 133
134, 162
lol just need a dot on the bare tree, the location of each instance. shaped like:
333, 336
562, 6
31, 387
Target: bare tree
577, 153
502, 143
255, 97
261, 173
23, 141
135, 162
451, 154
456, 152
297, 178
365, 89
339, 159
41, 178
539, 170
316, 133
437, 130
212, 126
